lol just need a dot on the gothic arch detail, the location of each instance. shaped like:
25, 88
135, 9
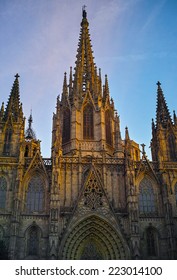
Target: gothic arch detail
66, 126
35, 195
147, 203
152, 242
99, 237
172, 147
108, 127
3, 192
8, 141
93, 192
88, 128
33, 235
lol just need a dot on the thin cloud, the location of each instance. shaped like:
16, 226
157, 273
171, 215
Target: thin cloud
153, 15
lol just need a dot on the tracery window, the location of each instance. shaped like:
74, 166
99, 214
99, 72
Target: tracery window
91, 252
33, 241
108, 127
35, 195
88, 122
151, 236
66, 126
146, 197
93, 193
3, 191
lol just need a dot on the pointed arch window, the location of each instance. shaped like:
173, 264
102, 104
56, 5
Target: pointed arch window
108, 127
88, 122
152, 242
146, 197
7, 142
35, 195
172, 148
66, 126
33, 241
3, 191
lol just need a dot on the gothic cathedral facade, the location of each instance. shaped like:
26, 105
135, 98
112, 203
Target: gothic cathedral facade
97, 196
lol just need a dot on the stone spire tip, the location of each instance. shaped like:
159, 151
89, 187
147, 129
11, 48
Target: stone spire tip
84, 13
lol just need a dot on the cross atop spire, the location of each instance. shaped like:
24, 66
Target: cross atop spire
17, 76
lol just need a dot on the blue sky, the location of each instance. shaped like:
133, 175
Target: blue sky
134, 43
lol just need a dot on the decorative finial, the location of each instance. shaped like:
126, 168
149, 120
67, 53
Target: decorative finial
84, 13
30, 120
143, 148
17, 76
158, 83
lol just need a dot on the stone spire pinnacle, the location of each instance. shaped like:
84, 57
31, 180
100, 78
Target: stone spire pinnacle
30, 134
14, 108
2, 111
85, 66
127, 137
84, 13
162, 112
70, 85
106, 88
64, 97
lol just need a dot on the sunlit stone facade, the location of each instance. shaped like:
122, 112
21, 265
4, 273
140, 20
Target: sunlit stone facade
98, 196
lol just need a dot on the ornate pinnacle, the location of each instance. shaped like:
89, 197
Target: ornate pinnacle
17, 76
84, 13
30, 134
127, 137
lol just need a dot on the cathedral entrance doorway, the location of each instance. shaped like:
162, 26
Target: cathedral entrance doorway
94, 239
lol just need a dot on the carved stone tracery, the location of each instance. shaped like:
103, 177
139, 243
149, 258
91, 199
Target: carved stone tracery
93, 193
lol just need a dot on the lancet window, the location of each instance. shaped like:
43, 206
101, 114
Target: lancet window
66, 126
3, 191
7, 143
172, 150
108, 127
33, 241
146, 197
35, 195
88, 130
152, 239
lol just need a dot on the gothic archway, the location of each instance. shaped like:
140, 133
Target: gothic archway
94, 238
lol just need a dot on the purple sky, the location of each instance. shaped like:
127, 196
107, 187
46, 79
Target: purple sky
134, 43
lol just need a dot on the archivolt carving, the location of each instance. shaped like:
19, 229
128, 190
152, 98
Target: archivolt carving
94, 232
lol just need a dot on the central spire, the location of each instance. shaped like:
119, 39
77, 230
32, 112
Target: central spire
85, 70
